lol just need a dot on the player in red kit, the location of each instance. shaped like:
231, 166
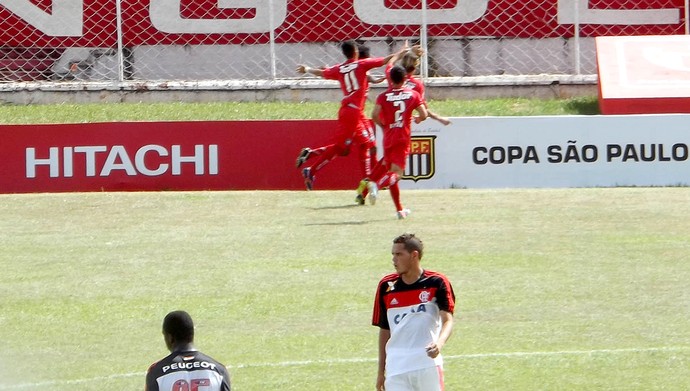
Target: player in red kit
353, 79
409, 61
366, 142
393, 113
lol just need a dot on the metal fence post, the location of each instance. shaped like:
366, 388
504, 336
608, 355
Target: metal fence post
272, 40
576, 38
687, 14
120, 54
424, 71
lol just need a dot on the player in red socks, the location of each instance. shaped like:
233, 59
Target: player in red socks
410, 62
393, 112
352, 76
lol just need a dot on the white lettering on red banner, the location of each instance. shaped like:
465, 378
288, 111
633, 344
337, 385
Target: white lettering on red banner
64, 20
171, 155
376, 12
117, 158
152, 22
165, 16
570, 11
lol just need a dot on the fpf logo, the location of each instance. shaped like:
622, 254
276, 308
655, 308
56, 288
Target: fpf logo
421, 161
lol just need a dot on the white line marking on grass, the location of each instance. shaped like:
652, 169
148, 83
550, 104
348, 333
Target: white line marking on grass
471, 356
361, 360
571, 352
67, 382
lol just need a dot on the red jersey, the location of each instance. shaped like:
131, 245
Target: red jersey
397, 106
352, 76
415, 85
411, 82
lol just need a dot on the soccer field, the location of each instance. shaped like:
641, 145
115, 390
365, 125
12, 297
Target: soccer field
568, 289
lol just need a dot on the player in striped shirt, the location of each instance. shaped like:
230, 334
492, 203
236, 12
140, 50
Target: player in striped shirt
414, 312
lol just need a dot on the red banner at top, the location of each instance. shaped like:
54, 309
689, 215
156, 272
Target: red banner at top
92, 23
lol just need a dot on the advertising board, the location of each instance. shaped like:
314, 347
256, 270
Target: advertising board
93, 23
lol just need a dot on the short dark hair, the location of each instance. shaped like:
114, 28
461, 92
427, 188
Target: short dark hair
411, 242
349, 48
397, 74
364, 51
180, 326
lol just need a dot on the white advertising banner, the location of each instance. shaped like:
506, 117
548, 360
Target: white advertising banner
553, 151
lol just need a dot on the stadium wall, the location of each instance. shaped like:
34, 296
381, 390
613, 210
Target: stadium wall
289, 90
481, 152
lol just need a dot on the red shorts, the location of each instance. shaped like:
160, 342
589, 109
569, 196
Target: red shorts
396, 154
366, 133
349, 125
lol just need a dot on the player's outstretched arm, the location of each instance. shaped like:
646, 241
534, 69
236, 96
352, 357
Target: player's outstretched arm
422, 112
392, 58
443, 120
303, 69
376, 79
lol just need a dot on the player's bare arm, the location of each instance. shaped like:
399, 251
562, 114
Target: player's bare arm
422, 114
384, 336
434, 348
376, 115
303, 69
376, 79
391, 58
443, 120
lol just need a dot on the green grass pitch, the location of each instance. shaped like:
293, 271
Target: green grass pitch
568, 289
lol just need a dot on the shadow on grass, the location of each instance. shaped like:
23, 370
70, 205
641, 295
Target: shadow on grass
338, 223
358, 222
336, 207
348, 206
584, 106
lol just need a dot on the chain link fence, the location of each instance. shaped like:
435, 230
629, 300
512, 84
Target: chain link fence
117, 41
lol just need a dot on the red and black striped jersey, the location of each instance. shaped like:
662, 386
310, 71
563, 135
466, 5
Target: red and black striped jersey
412, 314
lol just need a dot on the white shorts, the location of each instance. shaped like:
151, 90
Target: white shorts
427, 379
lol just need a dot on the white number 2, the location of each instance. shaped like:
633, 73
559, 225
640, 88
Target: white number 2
401, 109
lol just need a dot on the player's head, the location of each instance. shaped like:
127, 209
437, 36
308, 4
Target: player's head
397, 75
411, 243
363, 51
349, 49
178, 328
409, 61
